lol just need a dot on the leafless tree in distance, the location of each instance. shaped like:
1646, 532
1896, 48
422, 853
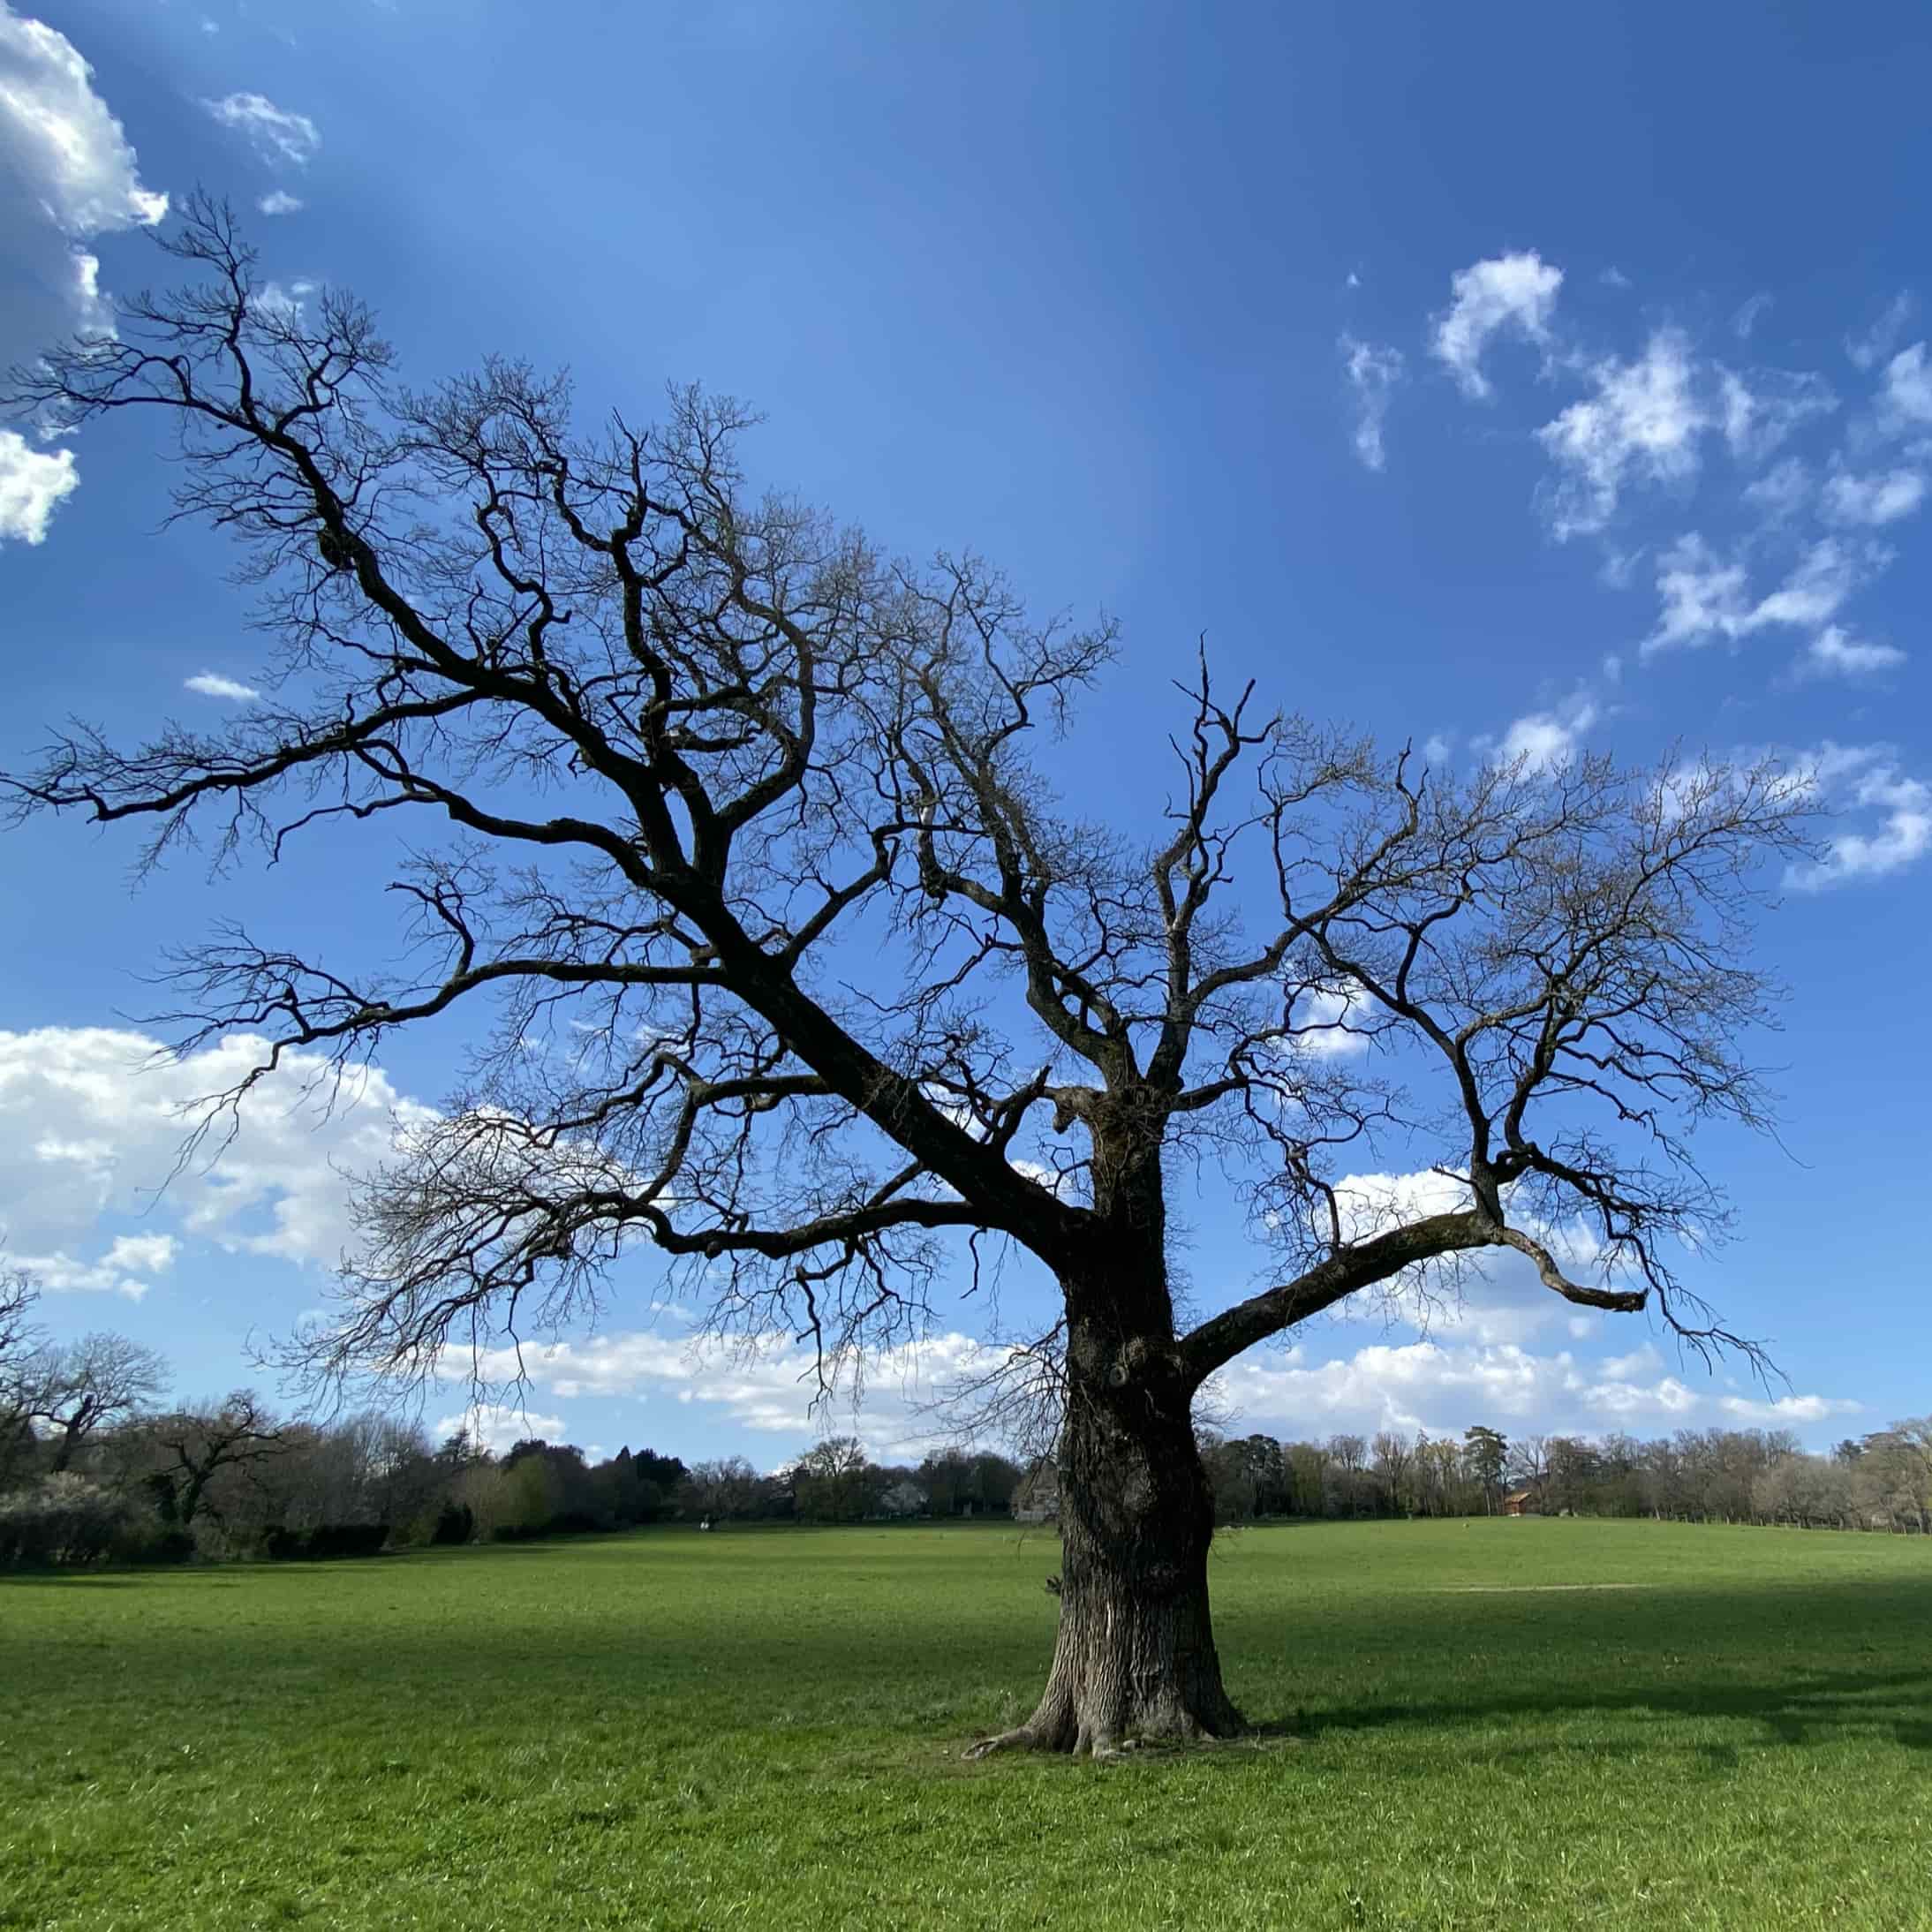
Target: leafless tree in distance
75, 1388
761, 822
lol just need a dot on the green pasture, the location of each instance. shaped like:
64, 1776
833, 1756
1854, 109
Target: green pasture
1488, 1724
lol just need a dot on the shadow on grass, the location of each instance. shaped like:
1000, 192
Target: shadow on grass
1796, 1709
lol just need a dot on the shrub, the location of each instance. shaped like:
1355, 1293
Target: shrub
324, 1543
145, 1541
62, 1519
456, 1522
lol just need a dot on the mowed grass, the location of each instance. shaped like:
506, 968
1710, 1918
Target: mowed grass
763, 1728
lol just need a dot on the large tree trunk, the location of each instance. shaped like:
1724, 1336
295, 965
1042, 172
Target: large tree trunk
1135, 1658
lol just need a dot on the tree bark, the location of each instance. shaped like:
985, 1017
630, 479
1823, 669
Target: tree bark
1134, 1659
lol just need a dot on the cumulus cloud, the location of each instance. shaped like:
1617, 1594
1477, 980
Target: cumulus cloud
1707, 601
67, 174
1517, 292
1865, 778
92, 1124
1642, 423
126, 1268
1788, 1408
1443, 1389
278, 137
1333, 1020
1372, 373
1872, 500
34, 484
498, 1427
1834, 653
280, 203
765, 1385
213, 684
1546, 741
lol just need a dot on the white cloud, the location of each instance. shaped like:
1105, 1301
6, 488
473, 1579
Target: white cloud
1643, 422
1868, 351
1757, 420
278, 136
1332, 1016
765, 1385
1546, 741
125, 1269
1782, 491
34, 484
1832, 653
1373, 372
213, 684
1444, 1389
1706, 600
280, 203
1872, 500
1750, 313
1514, 291
67, 174
1908, 388
91, 1126
284, 301
1788, 1408
500, 1427
1865, 778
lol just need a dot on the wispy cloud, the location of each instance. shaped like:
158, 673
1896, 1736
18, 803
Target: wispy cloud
1869, 350
213, 684
1908, 389
280, 203
1750, 313
1873, 500
1707, 601
277, 135
1834, 653
1372, 373
1516, 293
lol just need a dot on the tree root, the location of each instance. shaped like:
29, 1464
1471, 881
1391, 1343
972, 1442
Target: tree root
1102, 1747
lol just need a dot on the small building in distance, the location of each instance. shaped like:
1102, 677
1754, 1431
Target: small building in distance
1526, 1501
1036, 1499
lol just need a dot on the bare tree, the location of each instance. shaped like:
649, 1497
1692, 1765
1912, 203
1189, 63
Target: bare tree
18, 1335
746, 811
21, 1342
79, 1387
195, 1446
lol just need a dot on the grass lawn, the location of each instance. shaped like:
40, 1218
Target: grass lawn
1728, 1727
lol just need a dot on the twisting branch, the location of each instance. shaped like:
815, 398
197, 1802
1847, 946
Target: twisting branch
797, 968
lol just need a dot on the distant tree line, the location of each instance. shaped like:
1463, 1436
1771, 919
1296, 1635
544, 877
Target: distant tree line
1881, 1480
92, 1467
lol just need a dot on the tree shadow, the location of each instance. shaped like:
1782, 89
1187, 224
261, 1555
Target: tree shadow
1792, 1710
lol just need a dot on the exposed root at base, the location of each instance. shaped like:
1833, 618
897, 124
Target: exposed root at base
1101, 1747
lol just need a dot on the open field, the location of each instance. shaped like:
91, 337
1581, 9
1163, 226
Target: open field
763, 1728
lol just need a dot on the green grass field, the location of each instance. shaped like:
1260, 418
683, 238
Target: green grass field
1489, 1724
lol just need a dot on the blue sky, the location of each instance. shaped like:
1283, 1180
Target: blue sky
1526, 380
